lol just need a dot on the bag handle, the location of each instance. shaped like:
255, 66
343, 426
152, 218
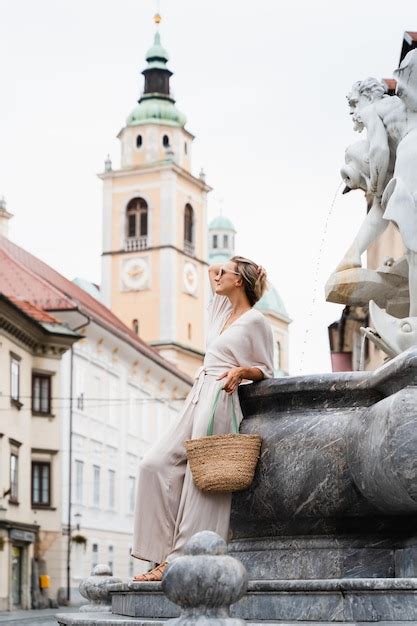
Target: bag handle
210, 426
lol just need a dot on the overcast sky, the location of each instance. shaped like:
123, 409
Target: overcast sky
263, 86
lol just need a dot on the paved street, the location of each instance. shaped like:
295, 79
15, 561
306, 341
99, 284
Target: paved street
45, 617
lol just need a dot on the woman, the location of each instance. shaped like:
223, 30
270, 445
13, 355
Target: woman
169, 508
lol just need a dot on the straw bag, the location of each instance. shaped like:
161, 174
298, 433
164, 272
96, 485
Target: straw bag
223, 463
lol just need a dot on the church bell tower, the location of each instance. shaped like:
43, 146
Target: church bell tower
154, 259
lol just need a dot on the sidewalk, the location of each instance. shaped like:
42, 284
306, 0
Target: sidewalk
34, 617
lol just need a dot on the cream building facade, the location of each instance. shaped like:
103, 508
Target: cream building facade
154, 258
32, 344
115, 396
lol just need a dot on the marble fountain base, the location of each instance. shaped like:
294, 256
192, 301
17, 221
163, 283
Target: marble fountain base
328, 530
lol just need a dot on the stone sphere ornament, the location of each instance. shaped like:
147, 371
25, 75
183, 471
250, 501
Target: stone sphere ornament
205, 582
95, 588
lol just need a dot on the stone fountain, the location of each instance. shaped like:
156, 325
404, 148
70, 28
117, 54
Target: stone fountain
328, 530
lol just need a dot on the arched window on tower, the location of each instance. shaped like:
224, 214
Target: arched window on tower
165, 141
189, 246
136, 225
138, 141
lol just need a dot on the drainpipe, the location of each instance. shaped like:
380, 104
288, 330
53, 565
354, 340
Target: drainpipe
86, 323
70, 478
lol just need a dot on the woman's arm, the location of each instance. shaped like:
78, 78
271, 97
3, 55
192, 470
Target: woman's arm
235, 376
213, 271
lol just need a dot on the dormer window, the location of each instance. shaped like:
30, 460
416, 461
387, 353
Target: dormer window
214, 241
225, 241
139, 141
165, 141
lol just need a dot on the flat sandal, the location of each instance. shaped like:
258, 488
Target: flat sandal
154, 575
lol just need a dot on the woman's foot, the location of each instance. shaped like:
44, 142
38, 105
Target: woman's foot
154, 575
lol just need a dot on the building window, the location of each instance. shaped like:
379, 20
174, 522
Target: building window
165, 141
131, 225
225, 241
277, 356
185, 148
214, 241
14, 378
135, 326
94, 555
189, 229
14, 477
96, 485
80, 401
131, 494
112, 487
189, 331
137, 220
111, 558
41, 484
41, 394
138, 141
79, 478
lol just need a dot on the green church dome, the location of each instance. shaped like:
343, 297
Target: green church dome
156, 111
221, 223
272, 302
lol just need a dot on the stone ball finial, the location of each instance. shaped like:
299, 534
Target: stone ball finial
95, 588
205, 542
205, 582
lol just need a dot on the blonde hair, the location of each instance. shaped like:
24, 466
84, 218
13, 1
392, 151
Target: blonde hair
254, 279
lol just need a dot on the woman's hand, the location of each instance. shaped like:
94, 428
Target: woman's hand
233, 378
261, 272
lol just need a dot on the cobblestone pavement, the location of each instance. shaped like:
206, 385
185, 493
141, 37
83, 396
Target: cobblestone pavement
44, 617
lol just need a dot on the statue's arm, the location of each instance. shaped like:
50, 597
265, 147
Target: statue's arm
378, 151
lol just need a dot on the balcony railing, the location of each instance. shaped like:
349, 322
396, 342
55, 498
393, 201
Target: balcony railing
136, 243
189, 248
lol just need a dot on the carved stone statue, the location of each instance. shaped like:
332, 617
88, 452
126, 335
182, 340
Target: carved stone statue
371, 109
384, 166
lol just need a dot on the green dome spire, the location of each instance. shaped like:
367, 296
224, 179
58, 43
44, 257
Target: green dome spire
157, 53
156, 105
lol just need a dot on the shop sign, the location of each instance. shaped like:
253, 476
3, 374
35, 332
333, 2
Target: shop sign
22, 535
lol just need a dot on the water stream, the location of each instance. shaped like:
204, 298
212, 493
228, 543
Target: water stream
316, 277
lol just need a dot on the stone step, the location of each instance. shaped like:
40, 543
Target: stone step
328, 600
103, 619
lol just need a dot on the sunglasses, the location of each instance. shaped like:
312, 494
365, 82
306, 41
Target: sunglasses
223, 271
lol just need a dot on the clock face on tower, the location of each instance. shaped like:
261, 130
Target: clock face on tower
135, 274
190, 278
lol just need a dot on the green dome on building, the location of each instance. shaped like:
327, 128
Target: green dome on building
221, 223
156, 111
271, 302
